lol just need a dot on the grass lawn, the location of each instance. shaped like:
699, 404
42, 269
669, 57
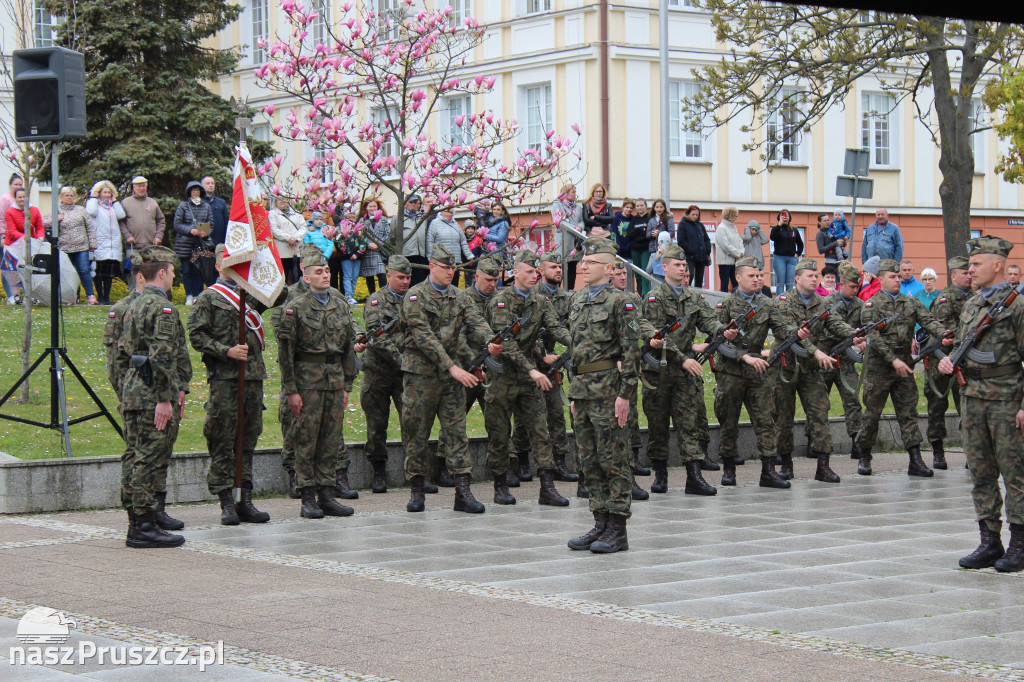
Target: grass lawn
83, 328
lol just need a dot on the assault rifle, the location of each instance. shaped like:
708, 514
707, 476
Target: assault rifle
967, 350
739, 322
375, 332
647, 353
845, 347
931, 349
556, 367
484, 356
779, 350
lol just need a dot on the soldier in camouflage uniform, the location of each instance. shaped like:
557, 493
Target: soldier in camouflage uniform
519, 386
315, 349
434, 386
885, 367
993, 408
946, 309
801, 304
703, 431
604, 328
213, 332
742, 381
672, 393
153, 395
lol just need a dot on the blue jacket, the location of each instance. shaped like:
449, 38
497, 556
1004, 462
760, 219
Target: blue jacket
839, 229
315, 236
912, 288
884, 242
498, 233
220, 211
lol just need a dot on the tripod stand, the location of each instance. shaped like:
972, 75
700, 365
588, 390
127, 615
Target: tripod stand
55, 352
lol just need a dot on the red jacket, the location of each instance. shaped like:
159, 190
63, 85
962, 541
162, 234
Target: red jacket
16, 224
870, 290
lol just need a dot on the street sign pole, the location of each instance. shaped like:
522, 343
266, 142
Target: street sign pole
855, 183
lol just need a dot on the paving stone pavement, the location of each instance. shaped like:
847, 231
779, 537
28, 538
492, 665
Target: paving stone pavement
850, 581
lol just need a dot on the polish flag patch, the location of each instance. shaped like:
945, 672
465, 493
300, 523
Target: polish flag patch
941, 300
289, 311
168, 310
501, 305
782, 298
374, 302
719, 305
629, 306
868, 304
111, 314
413, 298
652, 299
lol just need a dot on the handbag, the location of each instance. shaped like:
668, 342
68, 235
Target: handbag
126, 266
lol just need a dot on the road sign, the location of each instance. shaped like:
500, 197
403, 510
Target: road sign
852, 186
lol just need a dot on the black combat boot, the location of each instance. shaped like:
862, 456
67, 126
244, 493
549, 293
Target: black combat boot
293, 492
310, 509
228, 513
380, 475
938, 455
638, 492
549, 495
1013, 560
584, 541
342, 490
824, 472
429, 488
706, 464
501, 492
246, 510
148, 534
917, 466
695, 483
524, 466
613, 539
416, 501
855, 452
728, 471
330, 506
988, 552
562, 472
464, 500
163, 519
786, 467
444, 478
660, 467
131, 527
512, 478
638, 469
769, 477
740, 460
864, 463
581, 489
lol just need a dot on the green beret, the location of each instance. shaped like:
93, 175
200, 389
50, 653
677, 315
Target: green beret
528, 257
805, 264
958, 263
313, 258
848, 273
551, 257
489, 266
989, 244
888, 265
439, 254
595, 245
400, 263
157, 254
748, 262
673, 251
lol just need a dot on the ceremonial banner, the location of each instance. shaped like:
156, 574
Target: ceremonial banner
250, 255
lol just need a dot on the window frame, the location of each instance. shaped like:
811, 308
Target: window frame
42, 21
680, 138
259, 27
547, 118
793, 140
870, 111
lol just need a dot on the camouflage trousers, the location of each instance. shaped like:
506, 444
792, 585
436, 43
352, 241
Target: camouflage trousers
814, 397
473, 395
604, 452
424, 399
146, 457
851, 404
503, 397
379, 389
879, 383
317, 437
734, 391
674, 402
555, 412
287, 419
994, 448
700, 410
939, 405
633, 421
220, 431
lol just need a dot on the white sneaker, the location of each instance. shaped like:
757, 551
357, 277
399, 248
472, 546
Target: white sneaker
189, 300
353, 301
10, 300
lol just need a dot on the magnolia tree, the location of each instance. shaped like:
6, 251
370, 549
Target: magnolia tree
371, 88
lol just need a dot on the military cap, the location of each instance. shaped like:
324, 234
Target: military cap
157, 254
551, 257
748, 262
399, 263
489, 266
888, 265
307, 249
848, 273
995, 245
218, 251
440, 254
595, 245
313, 257
805, 264
958, 263
527, 256
673, 251
136, 258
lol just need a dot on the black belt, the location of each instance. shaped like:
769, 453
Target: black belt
975, 373
319, 358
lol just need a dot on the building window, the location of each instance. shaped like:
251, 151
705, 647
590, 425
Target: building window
538, 114
680, 3
536, 6
42, 25
684, 144
876, 129
460, 10
326, 169
318, 27
384, 128
977, 140
782, 129
389, 18
454, 133
260, 16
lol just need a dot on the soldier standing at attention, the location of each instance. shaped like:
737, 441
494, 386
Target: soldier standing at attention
213, 332
946, 309
605, 331
800, 304
885, 367
520, 384
153, 395
317, 371
742, 381
993, 409
680, 386
434, 386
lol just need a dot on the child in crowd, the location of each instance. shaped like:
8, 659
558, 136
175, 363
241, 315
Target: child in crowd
315, 234
839, 228
654, 266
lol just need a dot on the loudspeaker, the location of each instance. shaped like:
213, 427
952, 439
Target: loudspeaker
49, 94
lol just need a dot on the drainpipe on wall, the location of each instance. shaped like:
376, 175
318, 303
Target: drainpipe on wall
605, 149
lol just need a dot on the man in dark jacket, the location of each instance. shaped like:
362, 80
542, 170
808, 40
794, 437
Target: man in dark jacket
696, 245
219, 208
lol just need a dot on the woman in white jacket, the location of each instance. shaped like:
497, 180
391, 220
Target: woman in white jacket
106, 210
728, 248
288, 227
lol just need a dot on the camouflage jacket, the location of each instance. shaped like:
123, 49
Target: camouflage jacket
662, 306
383, 354
751, 341
309, 328
1005, 338
431, 323
503, 309
465, 354
894, 340
153, 328
117, 362
604, 329
947, 307
851, 313
297, 289
213, 330
792, 305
